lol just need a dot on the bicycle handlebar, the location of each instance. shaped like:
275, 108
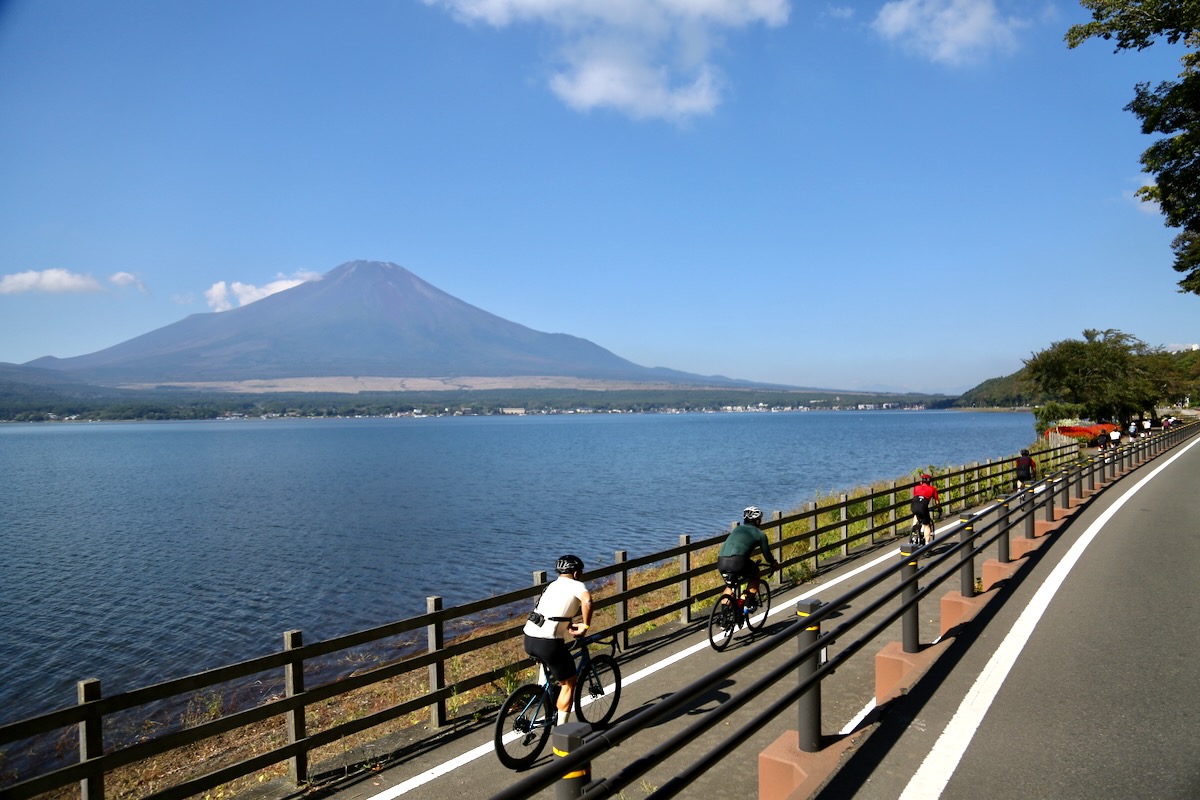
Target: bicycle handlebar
607, 639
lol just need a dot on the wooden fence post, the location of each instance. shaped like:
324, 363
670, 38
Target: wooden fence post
293, 681
91, 740
813, 544
435, 636
539, 579
892, 507
620, 557
844, 499
873, 525
685, 586
778, 537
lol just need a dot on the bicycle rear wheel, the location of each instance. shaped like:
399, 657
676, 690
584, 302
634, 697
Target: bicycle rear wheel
600, 685
721, 623
764, 605
523, 726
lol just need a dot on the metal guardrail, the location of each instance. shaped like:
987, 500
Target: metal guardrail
816, 537
910, 583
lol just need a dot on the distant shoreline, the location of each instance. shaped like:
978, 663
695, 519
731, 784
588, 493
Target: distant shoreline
379, 396
356, 384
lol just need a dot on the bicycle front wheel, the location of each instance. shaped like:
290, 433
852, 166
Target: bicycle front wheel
598, 690
721, 623
523, 726
759, 618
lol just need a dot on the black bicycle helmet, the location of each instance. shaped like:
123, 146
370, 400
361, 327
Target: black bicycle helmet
569, 564
752, 514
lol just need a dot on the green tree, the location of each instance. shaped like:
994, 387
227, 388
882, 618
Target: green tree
1110, 375
1171, 109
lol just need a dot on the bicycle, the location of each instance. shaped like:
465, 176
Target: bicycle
731, 612
527, 715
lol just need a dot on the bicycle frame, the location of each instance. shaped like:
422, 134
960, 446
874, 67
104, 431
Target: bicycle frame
582, 660
526, 717
737, 589
549, 685
731, 611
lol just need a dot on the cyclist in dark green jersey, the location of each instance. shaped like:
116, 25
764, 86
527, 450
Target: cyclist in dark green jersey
735, 555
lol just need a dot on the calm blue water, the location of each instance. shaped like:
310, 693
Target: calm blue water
137, 552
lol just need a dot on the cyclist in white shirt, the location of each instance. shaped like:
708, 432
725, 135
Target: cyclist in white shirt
550, 622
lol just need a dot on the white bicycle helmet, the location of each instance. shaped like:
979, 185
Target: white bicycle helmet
752, 514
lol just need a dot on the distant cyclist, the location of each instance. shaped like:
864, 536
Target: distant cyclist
1026, 469
924, 499
550, 622
736, 554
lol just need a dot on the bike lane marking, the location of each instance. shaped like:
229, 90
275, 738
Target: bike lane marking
934, 774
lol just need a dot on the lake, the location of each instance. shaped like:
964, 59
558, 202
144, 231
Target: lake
137, 552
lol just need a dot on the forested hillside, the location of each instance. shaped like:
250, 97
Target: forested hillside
1020, 390
1009, 391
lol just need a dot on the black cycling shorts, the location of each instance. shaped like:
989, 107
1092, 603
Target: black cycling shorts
554, 653
743, 566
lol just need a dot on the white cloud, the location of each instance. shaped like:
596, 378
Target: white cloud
950, 32
124, 279
48, 280
650, 59
222, 296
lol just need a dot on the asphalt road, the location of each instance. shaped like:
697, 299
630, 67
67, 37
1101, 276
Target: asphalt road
1077, 684
1091, 666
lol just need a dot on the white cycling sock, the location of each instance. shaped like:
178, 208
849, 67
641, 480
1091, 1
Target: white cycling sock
564, 717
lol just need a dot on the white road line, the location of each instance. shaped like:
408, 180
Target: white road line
858, 718
938, 767
481, 750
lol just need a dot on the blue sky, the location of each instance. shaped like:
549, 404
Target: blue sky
911, 195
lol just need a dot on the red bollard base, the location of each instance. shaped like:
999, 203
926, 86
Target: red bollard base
996, 572
896, 671
957, 609
1020, 547
787, 773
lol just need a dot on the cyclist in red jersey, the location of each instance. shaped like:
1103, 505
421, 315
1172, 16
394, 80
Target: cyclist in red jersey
1026, 469
924, 496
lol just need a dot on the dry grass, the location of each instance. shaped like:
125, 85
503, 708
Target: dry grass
362, 750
